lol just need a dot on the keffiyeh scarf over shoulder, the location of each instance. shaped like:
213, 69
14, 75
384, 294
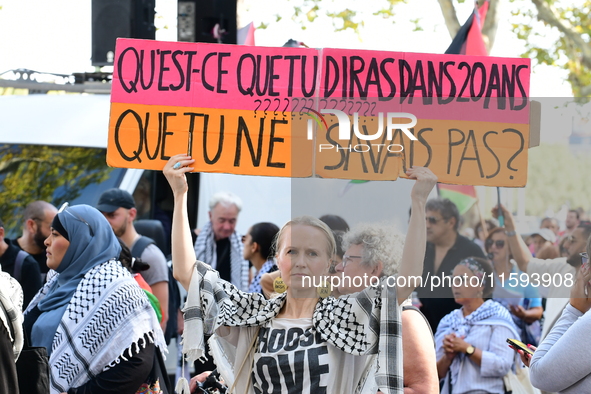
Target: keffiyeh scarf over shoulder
490, 313
205, 250
106, 318
362, 324
11, 297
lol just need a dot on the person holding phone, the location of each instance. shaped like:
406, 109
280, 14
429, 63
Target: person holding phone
561, 363
472, 355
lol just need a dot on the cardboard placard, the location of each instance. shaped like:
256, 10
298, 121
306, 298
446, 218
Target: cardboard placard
275, 112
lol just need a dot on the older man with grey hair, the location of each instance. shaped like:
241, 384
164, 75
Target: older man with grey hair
219, 245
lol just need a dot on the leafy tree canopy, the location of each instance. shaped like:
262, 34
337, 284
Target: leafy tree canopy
54, 174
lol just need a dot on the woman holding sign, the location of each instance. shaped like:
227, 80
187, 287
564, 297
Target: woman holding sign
297, 342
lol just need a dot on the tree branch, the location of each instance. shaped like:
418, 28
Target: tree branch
451, 19
548, 14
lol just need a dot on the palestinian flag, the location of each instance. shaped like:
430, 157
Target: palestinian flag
463, 196
468, 40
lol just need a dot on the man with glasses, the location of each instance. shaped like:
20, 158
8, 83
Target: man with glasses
558, 269
37, 219
445, 249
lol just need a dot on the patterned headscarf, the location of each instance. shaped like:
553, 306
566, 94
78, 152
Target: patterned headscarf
476, 268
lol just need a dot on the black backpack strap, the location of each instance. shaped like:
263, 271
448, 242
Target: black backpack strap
142, 243
18, 264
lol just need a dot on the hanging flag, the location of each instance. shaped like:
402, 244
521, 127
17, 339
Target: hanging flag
246, 35
463, 196
469, 40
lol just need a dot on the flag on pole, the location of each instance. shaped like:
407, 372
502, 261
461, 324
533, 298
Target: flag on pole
469, 40
462, 195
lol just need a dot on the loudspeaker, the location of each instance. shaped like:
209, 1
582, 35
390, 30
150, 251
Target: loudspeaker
119, 18
207, 21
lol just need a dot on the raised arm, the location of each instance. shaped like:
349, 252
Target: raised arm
183, 253
416, 237
517, 246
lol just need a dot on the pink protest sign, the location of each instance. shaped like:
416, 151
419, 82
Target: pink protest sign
202, 75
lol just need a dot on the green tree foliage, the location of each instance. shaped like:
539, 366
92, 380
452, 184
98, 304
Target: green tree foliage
556, 32
307, 11
572, 50
562, 180
38, 172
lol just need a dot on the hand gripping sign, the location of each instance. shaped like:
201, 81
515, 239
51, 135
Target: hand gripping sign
332, 113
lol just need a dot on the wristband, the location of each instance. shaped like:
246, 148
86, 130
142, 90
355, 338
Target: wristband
510, 233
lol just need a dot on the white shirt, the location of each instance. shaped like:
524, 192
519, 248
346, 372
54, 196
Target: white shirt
289, 359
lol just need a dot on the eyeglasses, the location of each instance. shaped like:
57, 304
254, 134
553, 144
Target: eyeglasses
584, 258
499, 243
433, 219
347, 259
64, 208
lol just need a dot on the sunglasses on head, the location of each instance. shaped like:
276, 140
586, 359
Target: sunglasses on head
499, 243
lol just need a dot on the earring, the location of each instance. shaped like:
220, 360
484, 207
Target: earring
324, 289
279, 285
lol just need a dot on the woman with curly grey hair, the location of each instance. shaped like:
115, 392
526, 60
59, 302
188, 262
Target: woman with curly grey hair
374, 251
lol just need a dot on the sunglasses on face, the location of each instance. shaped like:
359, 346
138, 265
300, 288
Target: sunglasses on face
64, 208
499, 243
433, 219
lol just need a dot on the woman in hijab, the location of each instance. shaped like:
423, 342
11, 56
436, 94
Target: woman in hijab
98, 326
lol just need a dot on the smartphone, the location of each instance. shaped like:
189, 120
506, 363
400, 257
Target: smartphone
519, 345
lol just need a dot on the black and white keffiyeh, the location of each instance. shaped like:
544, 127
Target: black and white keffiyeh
108, 316
490, 313
11, 297
364, 323
205, 250
255, 285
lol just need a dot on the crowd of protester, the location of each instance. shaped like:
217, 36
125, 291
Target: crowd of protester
85, 285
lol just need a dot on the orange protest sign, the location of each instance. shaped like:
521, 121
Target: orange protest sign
224, 141
486, 153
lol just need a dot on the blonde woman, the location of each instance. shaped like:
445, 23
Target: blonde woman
296, 342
